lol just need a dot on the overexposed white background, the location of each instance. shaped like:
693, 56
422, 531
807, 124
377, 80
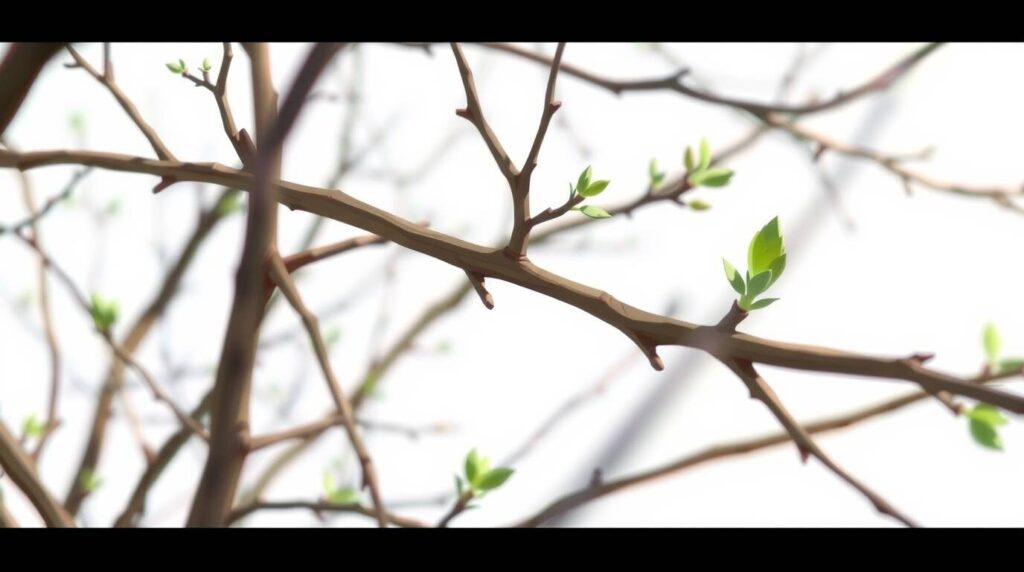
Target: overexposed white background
870, 269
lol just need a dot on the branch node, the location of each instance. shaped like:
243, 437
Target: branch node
819, 151
732, 319
555, 106
921, 358
477, 280
464, 113
163, 184
512, 254
804, 453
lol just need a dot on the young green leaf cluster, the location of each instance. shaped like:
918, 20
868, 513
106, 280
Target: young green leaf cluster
104, 312
479, 477
585, 187
983, 419
179, 67
339, 495
766, 260
90, 481
702, 174
32, 427
231, 204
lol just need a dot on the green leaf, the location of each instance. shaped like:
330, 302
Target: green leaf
345, 495
593, 189
584, 181
333, 336
713, 177
765, 247
175, 68
777, 267
734, 277
1011, 365
699, 205
476, 466
985, 413
594, 212
89, 481
688, 159
992, 343
206, 65
32, 427
104, 312
328, 482
986, 435
76, 121
459, 486
230, 204
758, 283
705, 154
184, 66
762, 303
656, 176
494, 478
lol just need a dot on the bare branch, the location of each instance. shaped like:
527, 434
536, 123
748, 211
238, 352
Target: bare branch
19, 467
760, 390
279, 274
107, 79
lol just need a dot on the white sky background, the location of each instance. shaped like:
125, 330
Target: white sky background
912, 274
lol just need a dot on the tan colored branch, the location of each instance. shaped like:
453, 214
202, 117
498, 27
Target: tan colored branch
760, 390
645, 329
107, 79
131, 341
158, 393
229, 415
19, 467
319, 507
18, 72
283, 280
674, 82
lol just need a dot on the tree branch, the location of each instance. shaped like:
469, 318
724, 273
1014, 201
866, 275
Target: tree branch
229, 418
321, 506
282, 279
674, 83
761, 391
18, 72
645, 329
17, 464
107, 79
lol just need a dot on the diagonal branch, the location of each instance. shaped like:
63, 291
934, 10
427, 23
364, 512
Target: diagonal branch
760, 390
727, 450
301, 259
475, 114
158, 393
229, 416
132, 340
674, 82
18, 72
107, 79
521, 191
18, 465
283, 280
646, 329
319, 507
